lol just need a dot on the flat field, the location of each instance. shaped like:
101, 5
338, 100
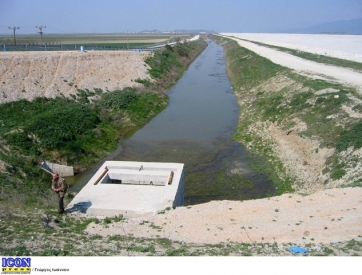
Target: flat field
347, 47
91, 39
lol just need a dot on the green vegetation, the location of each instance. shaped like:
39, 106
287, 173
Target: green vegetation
351, 137
172, 62
79, 130
246, 71
145, 82
109, 220
221, 185
65, 129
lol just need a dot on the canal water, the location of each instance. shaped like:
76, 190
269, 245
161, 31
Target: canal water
196, 129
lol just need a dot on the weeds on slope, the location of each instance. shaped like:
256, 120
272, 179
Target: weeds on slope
271, 94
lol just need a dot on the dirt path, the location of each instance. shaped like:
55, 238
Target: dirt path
306, 67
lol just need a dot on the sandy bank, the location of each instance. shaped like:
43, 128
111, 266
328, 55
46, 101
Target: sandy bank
323, 217
32, 74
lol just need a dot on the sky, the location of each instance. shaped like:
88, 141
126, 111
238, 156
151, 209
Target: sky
120, 16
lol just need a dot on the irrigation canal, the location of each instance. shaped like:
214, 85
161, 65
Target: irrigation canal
196, 129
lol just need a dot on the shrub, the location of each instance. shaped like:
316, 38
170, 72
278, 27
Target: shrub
145, 82
337, 174
182, 52
169, 48
350, 137
62, 124
118, 99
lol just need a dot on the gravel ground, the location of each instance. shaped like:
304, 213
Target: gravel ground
327, 216
52, 74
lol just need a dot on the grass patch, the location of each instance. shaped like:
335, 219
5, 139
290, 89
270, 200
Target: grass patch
351, 137
108, 220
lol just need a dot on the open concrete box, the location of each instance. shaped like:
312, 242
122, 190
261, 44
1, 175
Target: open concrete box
131, 189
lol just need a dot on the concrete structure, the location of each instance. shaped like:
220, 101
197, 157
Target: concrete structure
131, 189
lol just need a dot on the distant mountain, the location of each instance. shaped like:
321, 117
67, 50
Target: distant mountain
352, 26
